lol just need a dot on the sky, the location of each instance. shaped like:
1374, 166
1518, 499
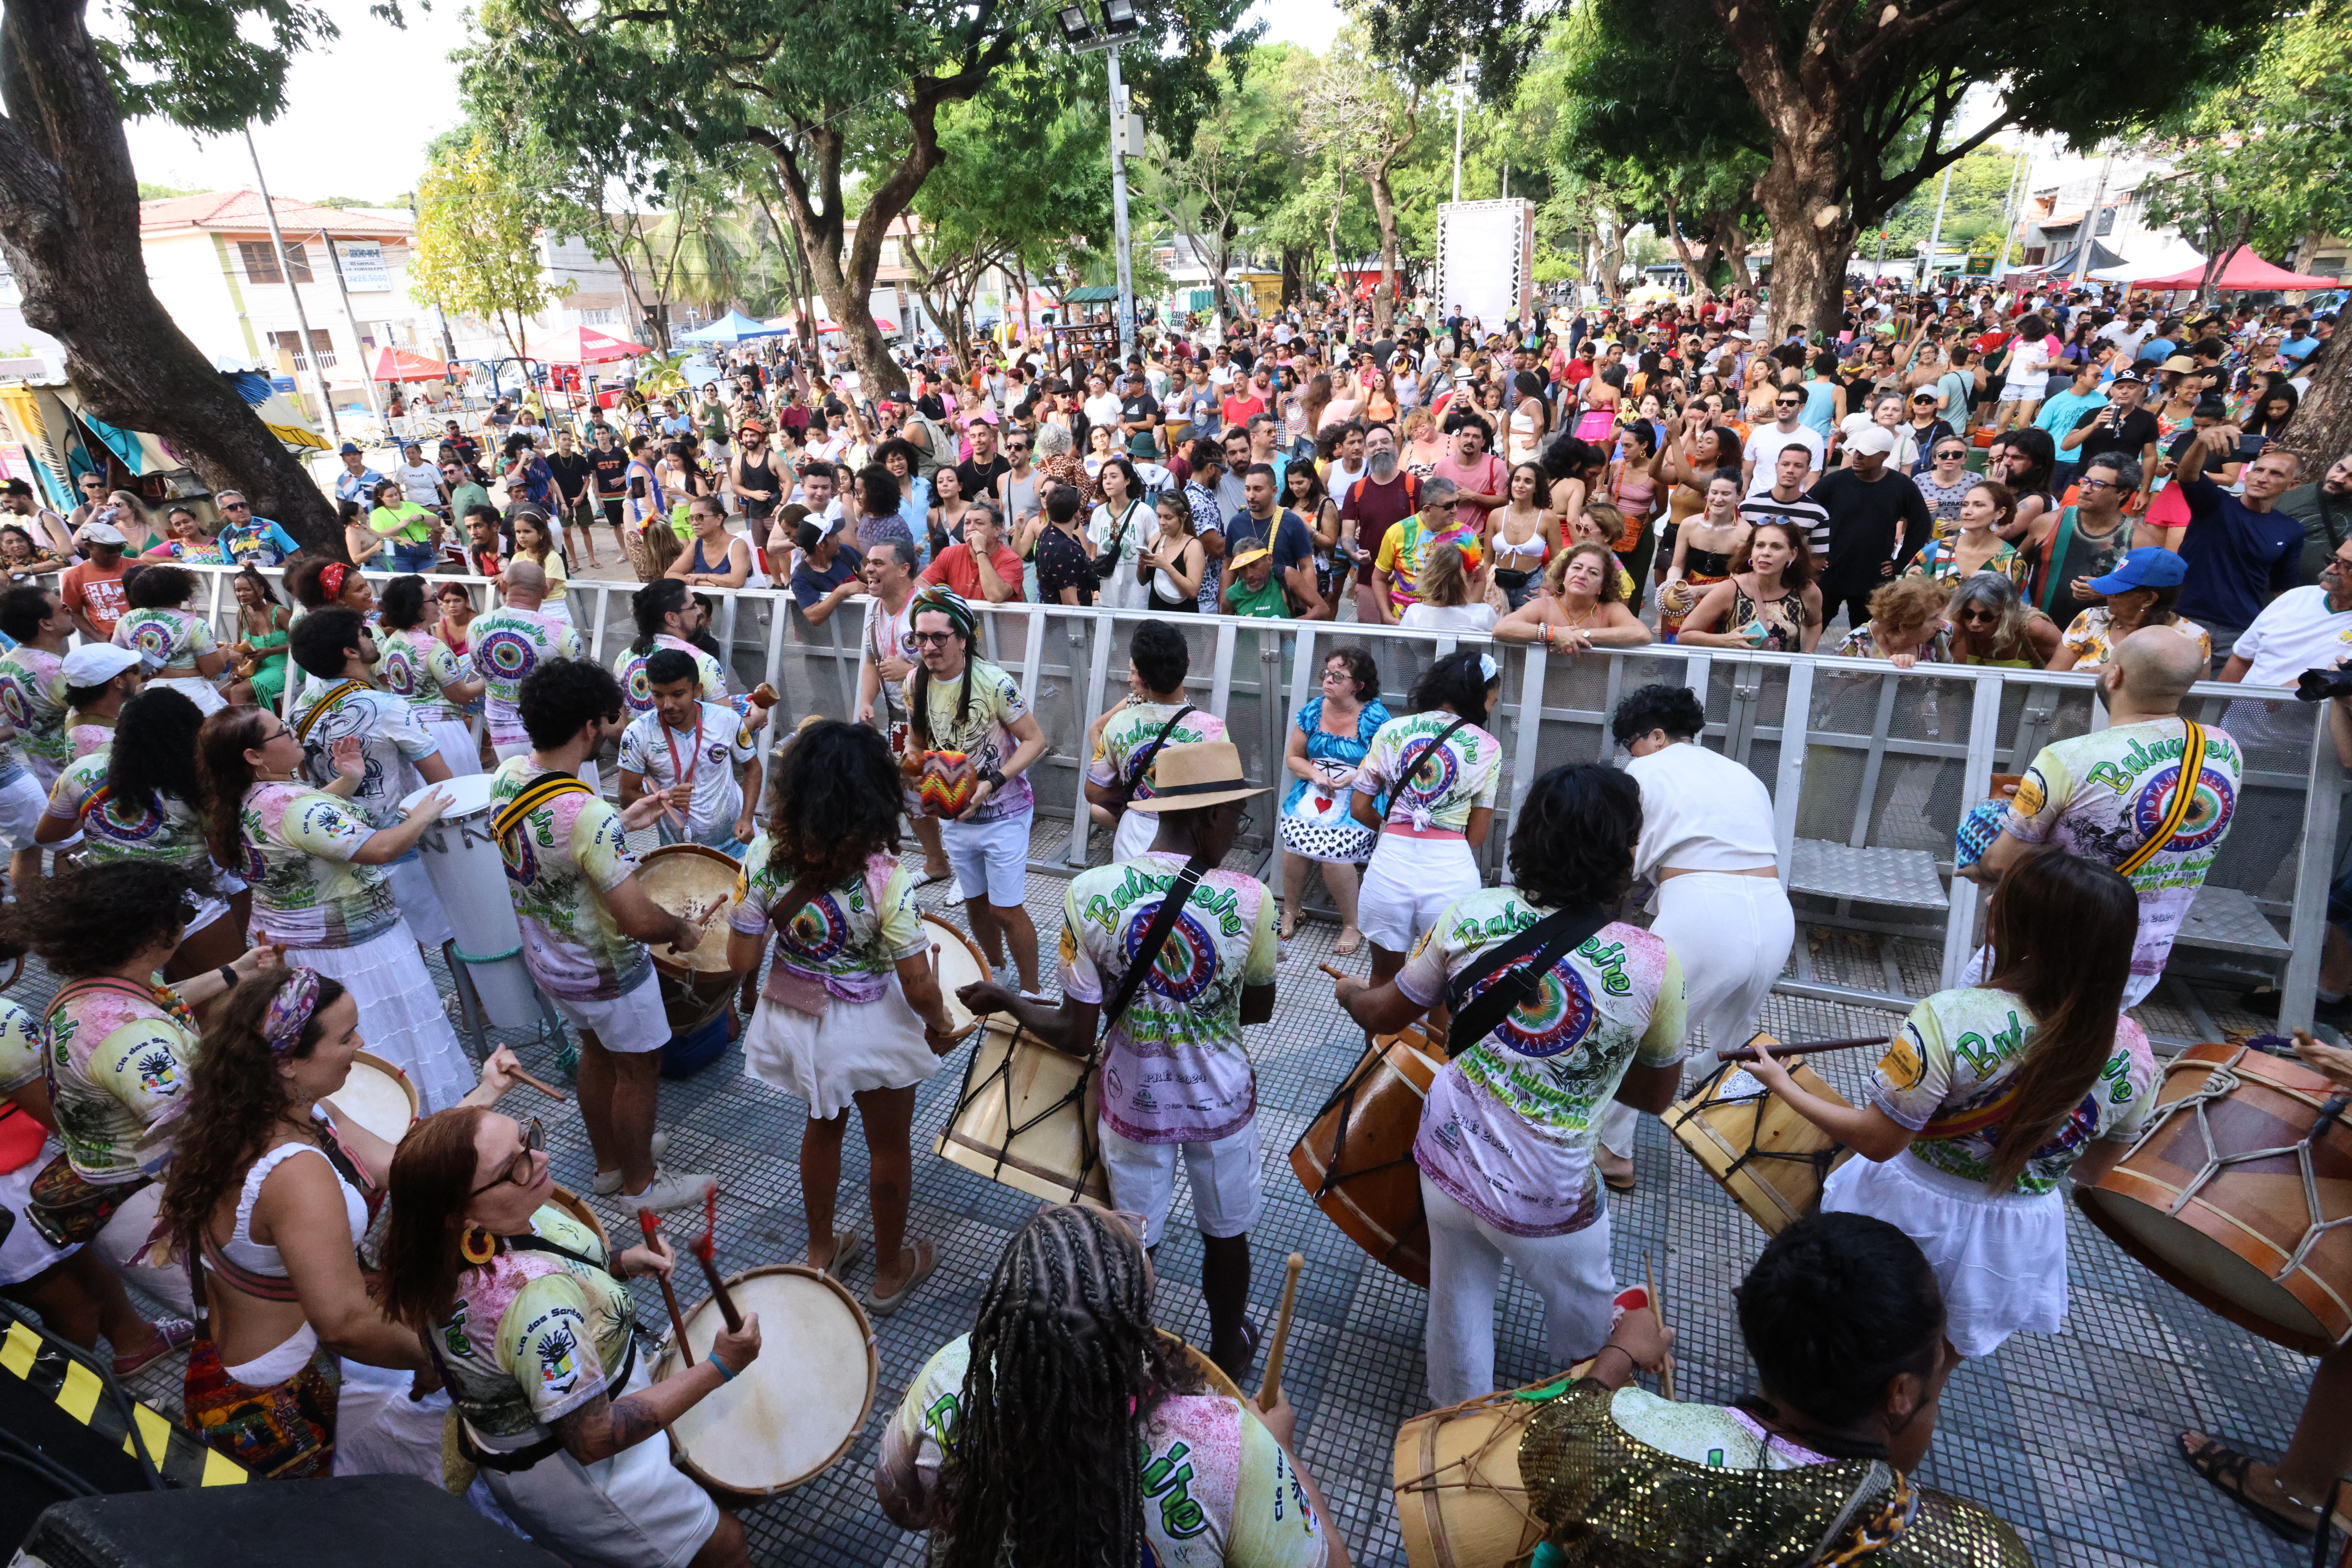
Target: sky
360, 113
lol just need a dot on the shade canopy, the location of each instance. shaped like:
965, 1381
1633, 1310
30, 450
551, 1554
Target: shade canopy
585, 345
734, 327
2179, 256
2242, 268
398, 364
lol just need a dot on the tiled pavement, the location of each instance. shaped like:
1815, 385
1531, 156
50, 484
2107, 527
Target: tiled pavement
2070, 1437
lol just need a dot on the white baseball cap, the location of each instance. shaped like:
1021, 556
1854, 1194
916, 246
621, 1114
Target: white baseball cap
1875, 441
96, 663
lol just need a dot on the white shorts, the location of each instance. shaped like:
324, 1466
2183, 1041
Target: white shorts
1134, 834
625, 1025
25, 1252
991, 857
2014, 392
1227, 1187
635, 1509
1408, 885
23, 801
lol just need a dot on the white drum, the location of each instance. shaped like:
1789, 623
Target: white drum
958, 962
461, 858
794, 1412
378, 1096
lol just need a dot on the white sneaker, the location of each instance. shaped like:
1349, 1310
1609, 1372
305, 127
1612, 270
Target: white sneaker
671, 1191
607, 1183
955, 889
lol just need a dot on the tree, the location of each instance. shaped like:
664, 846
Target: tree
478, 240
70, 216
852, 87
1232, 169
1363, 118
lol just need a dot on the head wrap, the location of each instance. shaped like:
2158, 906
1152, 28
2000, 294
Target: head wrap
1488, 669
940, 599
291, 1009
331, 579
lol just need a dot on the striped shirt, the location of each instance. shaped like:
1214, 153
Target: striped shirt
1807, 515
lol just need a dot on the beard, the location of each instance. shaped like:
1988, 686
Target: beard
1381, 466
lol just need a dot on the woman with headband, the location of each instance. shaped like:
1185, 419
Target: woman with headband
293, 1372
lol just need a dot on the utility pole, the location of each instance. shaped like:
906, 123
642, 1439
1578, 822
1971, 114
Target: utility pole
286, 270
1461, 89
1936, 229
2090, 231
2020, 184
1120, 122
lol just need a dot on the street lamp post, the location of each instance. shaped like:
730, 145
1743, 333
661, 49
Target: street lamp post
1120, 23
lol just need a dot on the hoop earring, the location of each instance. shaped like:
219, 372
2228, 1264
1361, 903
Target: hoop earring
477, 1246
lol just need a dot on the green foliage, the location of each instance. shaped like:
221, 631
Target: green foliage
153, 193
1025, 176
209, 65
477, 241
1979, 185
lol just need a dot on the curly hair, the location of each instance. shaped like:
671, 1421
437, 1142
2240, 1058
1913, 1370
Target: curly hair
155, 752
1573, 843
401, 606
1907, 603
158, 587
835, 802
92, 919
1066, 1373
234, 1097
1658, 705
1457, 681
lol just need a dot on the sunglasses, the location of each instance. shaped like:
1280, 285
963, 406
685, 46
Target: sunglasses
234, 505
518, 1170
929, 640
1959, 453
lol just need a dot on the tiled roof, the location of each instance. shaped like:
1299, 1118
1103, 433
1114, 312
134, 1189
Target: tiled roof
240, 212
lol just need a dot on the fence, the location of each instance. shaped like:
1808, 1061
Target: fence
1870, 767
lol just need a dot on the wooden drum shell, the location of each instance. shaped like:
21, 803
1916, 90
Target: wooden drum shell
1372, 1191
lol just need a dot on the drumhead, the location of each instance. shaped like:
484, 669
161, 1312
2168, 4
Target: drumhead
468, 796
796, 1410
692, 879
961, 963
378, 1096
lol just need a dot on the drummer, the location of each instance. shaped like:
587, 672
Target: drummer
1507, 1140
668, 616
586, 922
1989, 1096
343, 701
1843, 1321
1176, 1077
525, 1314
1152, 715
507, 644
419, 669
696, 755
1708, 843
1063, 1429
98, 679
884, 664
850, 1011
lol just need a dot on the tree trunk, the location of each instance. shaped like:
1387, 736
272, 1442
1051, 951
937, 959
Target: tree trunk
1735, 251
1694, 271
1813, 232
1291, 256
2321, 431
70, 228
1384, 209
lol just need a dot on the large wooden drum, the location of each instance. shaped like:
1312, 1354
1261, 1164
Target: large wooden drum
1026, 1116
377, 1096
794, 1412
693, 880
1459, 1499
2235, 1194
1355, 1159
1771, 1159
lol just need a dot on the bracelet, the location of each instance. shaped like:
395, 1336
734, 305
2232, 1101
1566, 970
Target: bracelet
1612, 1345
228, 977
726, 1375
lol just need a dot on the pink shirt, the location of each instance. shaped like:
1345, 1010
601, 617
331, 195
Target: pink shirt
1487, 477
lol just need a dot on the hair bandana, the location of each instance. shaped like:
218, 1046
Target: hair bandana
331, 579
291, 1009
942, 600
1489, 671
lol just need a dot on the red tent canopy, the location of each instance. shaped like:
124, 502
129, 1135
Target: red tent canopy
585, 345
2241, 270
399, 364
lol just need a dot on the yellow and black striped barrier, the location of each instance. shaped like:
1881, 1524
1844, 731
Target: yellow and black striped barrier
179, 1455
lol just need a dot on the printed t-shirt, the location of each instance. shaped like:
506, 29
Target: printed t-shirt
561, 860
33, 696
533, 1336
848, 938
2100, 794
1510, 1125
1267, 601
2087, 634
1454, 779
260, 541
21, 1045
629, 669
1376, 507
98, 594
710, 753
1403, 549
1133, 729
115, 829
416, 666
1948, 1068
118, 1056
1217, 1489
985, 737
307, 891
162, 639
392, 737
507, 644
86, 735
1174, 1070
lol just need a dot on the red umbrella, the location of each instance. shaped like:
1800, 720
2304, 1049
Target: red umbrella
585, 345
399, 364
2241, 269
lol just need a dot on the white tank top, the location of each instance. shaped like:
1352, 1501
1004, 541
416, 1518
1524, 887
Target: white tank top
249, 1253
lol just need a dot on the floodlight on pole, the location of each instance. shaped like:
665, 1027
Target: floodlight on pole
1120, 23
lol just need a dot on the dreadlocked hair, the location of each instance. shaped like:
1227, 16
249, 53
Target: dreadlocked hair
919, 709
835, 802
1065, 1375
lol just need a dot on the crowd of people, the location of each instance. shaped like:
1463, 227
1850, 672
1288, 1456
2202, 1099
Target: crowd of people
237, 904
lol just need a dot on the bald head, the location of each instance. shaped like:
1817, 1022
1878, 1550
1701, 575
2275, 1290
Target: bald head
2159, 665
524, 584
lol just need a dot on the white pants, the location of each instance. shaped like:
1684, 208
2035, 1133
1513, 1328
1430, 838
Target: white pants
1570, 1273
124, 1236
1732, 935
1136, 831
1227, 1187
23, 801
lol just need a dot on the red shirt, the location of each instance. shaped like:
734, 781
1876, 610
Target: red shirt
956, 568
1239, 411
97, 593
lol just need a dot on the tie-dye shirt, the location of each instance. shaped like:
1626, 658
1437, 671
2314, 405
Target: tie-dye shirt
1454, 779
416, 666
1133, 729
848, 938
113, 829
33, 697
1510, 1123
307, 891
561, 860
507, 644
533, 1336
629, 669
20, 1045
985, 737
163, 638
1174, 1070
119, 1059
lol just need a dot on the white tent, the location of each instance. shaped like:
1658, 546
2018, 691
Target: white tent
2179, 256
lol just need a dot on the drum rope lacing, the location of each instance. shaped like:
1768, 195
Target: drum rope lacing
1001, 1078
1820, 1160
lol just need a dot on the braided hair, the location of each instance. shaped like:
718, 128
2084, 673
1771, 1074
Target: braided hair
1065, 1372
945, 602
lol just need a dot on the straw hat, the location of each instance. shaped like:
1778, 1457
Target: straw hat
1186, 777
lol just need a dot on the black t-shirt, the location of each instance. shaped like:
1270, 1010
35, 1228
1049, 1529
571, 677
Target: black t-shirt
611, 471
1866, 519
2133, 434
570, 470
1145, 407
980, 478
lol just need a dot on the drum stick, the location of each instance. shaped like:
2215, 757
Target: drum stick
705, 1251
1269, 1392
649, 1224
1334, 974
1801, 1047
1658, 1310
543, 1089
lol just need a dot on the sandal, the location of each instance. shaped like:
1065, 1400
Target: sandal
1289, 924
926, 1259
2226, 1470
846, 1246
1351, 939
170, 1334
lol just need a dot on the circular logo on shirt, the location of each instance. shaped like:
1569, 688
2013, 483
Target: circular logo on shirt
1433, 779
398, 670
1187, 964
507, 654
515, 854
13, 703
2209, 811
1556, 1019
636, 689
820, 931
125, 829
151, 641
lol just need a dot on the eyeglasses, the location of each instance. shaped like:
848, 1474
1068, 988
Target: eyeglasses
931, 639
2098, 484
518, 1170
282, 732
236, 505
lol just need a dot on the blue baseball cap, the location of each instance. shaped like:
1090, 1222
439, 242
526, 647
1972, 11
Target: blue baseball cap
2149, 566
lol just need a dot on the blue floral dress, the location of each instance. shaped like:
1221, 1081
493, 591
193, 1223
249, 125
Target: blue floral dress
1317, 823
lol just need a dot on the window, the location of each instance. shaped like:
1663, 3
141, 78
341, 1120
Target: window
599, 318
2034, 256
260, 262
287, 347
